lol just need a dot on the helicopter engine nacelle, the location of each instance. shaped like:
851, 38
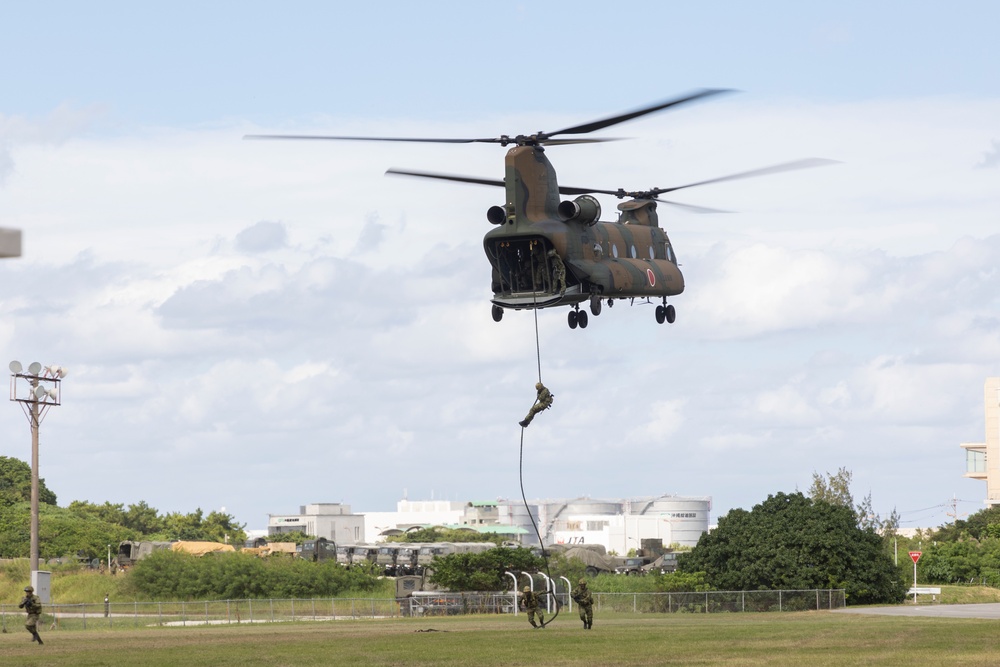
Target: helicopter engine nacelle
497, 215
585, 209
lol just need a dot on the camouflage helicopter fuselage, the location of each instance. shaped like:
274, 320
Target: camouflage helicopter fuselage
604, 260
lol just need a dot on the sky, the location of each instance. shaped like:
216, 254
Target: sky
253, 326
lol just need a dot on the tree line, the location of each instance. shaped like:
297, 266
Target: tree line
84, 529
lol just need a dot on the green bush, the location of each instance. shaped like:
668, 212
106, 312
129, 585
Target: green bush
172, 575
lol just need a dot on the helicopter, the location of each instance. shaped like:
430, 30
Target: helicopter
548, 253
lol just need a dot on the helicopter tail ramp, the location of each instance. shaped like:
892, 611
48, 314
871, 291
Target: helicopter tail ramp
10, 242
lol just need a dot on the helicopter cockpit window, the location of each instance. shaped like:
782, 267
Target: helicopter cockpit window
670, 253
652, 253
614, 250
634, 254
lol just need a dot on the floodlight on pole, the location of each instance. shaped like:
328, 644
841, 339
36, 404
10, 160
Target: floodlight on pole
37, 390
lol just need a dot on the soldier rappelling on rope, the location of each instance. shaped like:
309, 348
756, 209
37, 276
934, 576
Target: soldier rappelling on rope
542, 402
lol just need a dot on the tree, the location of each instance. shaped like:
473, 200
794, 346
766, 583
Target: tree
107, 512
143, 519
15, 483
483, 571
437, 534
834, 489
216, 527
792, 542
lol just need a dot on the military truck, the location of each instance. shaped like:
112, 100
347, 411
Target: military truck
129, 552
344, 554
633, 565
317, 550
429, 552
595, 559
406, 558
385, 558
364, 555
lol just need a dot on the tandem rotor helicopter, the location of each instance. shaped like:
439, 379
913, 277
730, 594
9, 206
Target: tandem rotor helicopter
547, 253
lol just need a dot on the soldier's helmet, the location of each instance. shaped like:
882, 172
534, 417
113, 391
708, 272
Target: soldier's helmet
29, 589
538, 385
582, 582
527, 589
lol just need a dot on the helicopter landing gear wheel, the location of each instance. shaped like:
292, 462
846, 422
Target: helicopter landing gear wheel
582, 319
670, 313
573, 321
497, 313
595, 305
661, 314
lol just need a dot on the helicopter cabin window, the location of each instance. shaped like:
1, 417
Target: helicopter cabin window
614, 250
634, 254
652, 253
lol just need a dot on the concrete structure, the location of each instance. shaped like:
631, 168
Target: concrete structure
982, 459
333, 521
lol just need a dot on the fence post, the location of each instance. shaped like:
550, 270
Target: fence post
706, 602
779, 600
743, 600
206, 612
271, 600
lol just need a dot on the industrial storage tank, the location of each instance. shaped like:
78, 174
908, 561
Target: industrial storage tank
515, 514
689, 517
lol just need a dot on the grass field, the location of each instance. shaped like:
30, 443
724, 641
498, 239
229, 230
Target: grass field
806, 638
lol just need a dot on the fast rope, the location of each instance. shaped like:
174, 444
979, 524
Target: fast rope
520, 475
538, 534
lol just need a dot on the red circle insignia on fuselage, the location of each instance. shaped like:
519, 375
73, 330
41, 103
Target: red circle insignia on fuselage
652, 277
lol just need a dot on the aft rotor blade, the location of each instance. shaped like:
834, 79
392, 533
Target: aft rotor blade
323, 137
446, 177
774, 169
660, 106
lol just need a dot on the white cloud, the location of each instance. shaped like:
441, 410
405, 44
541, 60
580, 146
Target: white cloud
283, 313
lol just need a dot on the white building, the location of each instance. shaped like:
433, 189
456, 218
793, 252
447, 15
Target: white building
332, 521
618, 525
982, 459
410, 513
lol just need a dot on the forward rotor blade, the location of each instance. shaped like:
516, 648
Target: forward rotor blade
563, 142
446, 177
614, 120
323, 137
774, 169
692, 208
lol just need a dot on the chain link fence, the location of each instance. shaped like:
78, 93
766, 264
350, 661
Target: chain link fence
721, 601
123, 615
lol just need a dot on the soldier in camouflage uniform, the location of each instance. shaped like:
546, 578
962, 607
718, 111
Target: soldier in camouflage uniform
558, 272
531, 601
540, 274
585, 603
33, 606
542, 402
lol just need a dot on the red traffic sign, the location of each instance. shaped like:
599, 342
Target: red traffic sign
915, 555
